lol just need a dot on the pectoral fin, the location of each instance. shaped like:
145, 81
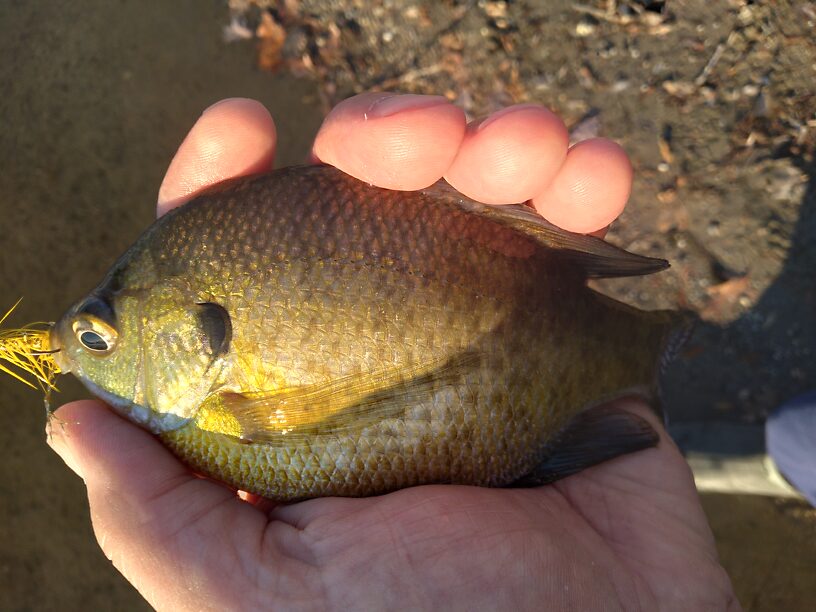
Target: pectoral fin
341, 405
594, 436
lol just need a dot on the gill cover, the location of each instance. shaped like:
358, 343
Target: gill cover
185, 348
153, 353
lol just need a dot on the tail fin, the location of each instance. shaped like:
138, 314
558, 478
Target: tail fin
649, 341
681, 329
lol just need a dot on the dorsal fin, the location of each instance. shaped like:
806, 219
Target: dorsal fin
596, 257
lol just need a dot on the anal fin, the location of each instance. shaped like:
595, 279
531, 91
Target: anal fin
592, 437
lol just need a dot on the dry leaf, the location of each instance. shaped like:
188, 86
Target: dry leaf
667, 196
724, 297
665, 150
681, 89
271, 36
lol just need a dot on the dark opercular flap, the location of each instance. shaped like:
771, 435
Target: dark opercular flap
216, 324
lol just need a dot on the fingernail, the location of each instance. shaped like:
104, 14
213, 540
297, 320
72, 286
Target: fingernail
391, 105
219, 103
510, 110
58, 441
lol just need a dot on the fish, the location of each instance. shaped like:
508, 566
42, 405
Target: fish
302, 334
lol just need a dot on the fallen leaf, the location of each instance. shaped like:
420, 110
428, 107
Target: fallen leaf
667, 196
665, 150
271, 36
724, 297
681, 89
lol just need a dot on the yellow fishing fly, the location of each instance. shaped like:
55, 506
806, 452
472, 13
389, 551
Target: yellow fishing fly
26, 350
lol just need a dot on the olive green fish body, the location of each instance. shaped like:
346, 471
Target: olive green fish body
302, 334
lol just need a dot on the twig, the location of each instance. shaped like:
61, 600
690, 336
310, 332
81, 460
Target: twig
712, 61
602, 15
411, 75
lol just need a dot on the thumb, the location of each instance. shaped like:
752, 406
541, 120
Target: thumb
234, 137
152, 517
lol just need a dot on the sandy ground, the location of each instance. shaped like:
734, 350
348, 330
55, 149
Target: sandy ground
96, 100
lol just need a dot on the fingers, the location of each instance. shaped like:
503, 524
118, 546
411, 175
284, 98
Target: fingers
234, 137
106, 451
150, 514
512, 156
517, 154
393, 141
409, 142
591, 188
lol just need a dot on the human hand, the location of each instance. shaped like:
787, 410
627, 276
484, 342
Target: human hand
629, 533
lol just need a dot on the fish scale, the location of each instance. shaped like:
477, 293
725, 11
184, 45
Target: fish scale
302, 334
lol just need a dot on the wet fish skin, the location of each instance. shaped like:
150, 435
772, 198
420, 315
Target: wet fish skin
302, 334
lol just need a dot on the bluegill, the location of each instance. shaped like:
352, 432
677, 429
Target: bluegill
301, 334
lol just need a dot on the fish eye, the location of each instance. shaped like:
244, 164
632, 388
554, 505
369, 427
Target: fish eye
93, 341
95, 335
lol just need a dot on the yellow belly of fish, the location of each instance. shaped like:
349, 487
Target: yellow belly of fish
442, 441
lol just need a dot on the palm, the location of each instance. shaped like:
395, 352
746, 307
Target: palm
626, 534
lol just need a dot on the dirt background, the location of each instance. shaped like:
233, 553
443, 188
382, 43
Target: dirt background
714, 101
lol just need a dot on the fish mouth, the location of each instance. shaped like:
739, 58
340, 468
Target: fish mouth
152, 421
55, 348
